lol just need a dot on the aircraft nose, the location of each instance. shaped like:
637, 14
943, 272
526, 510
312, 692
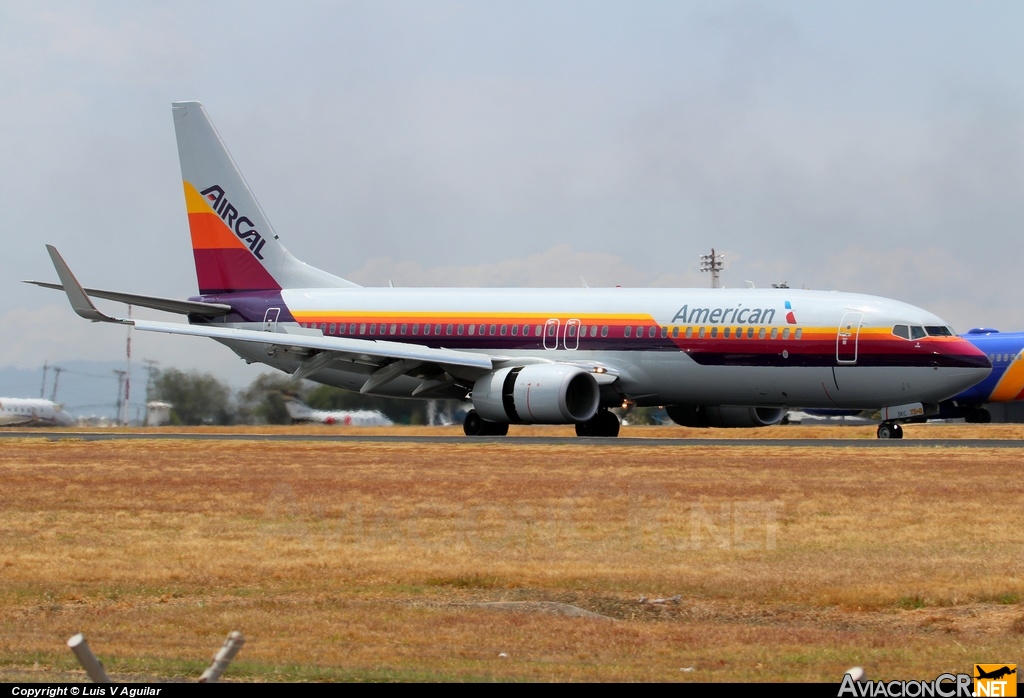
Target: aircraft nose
965, 365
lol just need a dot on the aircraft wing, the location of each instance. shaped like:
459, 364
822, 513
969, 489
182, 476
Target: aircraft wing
388, 360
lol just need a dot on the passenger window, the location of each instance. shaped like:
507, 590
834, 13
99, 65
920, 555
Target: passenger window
437, 329
799, 333
362, 328
426, 329
394, 328
538, 333
775, 333
652, 332
494, 328
664, 332
785, 333
725, 332
689, 332
570, 330
750, 333
373, 328
404, 328
472, 330
760, 333
449, 329
675, 332
334, 328
739, 332
504, 330
593, 330
416, 328
700, 334
604, 330
714, 332
515, 330
461, 330
627, 331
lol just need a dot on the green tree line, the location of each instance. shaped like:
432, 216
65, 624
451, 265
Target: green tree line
201, 398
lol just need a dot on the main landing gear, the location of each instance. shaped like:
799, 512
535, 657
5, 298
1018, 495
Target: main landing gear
475, 425
604, 423
889, 430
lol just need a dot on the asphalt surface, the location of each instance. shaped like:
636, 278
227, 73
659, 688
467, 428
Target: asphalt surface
621, 442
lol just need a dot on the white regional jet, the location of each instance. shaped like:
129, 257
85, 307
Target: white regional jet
32, 412
301, 412
715, 357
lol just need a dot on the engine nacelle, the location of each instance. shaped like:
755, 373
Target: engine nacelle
726, 417
537, 394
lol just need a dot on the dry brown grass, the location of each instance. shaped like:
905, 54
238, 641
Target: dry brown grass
362, 561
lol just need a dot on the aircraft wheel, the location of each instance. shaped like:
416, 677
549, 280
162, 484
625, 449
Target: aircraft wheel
885, 430
473, 425
979, 416
607, 424
604, 424
897, 431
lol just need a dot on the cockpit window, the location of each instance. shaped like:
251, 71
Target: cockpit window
917, 332
901, 331
938, 331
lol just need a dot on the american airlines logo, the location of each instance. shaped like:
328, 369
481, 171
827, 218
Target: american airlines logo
738, 314
244, 228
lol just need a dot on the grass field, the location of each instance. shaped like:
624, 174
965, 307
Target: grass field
502, 561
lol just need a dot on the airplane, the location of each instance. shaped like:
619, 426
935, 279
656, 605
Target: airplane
1005, 351
994, 674
33, 412
301, 412
715, 357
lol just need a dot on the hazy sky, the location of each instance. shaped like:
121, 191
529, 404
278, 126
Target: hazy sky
875, 147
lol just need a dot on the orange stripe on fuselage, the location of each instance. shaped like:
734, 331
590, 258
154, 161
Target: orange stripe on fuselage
1011, 385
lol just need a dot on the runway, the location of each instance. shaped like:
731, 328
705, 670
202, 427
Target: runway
620, 442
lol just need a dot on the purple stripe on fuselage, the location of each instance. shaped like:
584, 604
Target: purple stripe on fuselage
247, 307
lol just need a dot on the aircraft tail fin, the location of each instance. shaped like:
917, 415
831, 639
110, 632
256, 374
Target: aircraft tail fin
235, 247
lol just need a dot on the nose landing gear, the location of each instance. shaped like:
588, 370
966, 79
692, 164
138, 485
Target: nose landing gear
889, 430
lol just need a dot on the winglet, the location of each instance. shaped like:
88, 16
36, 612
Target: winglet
80, 302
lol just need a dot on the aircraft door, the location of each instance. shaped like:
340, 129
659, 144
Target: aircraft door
270, 319
847, 337
571, 340
551, 333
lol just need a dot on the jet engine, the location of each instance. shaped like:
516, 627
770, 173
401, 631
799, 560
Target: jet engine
537, 394
726, 417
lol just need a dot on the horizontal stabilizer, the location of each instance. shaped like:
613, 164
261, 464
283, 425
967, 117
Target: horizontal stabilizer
168, 305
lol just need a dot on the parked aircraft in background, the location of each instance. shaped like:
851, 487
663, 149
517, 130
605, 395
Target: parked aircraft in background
1005, 351
301, 412
716, 357
33, 412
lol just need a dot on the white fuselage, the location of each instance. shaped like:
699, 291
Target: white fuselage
759, 347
